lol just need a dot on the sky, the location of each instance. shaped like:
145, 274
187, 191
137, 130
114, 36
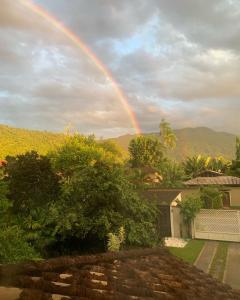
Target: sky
178, 60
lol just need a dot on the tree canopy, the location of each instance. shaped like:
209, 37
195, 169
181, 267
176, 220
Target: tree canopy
145, 151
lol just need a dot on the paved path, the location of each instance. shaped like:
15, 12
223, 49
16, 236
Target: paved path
232, 271
205, 257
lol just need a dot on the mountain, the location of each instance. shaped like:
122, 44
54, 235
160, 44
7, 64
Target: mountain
192, 141
16, 141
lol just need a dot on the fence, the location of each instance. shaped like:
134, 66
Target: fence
213, 224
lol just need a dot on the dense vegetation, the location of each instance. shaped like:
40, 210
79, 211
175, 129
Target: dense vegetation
194, 141
189, 142
69, 201
18, 141
80, 194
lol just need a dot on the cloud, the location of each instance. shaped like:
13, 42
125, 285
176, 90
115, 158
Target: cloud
173, 59
212, 24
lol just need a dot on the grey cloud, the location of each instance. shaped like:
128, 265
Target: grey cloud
102, 19
214, 24
186, 70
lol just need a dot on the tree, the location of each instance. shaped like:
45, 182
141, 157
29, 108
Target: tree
190, 206
211, 197
13, 245
237, 148
167, 135
218, 164
172, 173
97, 197
32, 182
235, 167
194, 165
145, 151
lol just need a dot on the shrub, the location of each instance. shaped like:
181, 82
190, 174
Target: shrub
190, 206
115, 240
211, 197
13, 246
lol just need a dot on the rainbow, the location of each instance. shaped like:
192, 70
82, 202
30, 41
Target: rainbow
40, 11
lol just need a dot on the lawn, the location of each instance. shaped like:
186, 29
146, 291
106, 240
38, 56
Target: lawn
190, 252
219, 261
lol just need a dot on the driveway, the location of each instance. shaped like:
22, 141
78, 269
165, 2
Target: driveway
232, 269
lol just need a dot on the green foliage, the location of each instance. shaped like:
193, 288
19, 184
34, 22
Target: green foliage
167, 135
197, 164
15, 141
194, 165
237, 148
235, 167
192, 141
32, 183
97, 197
211, 197
218, 164
13, 246
172, 173
190, 206
145, 151
5, 204
115, 240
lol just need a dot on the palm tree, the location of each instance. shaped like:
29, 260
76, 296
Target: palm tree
167, 135
195, 165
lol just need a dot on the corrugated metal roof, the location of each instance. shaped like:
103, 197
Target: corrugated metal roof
218, 180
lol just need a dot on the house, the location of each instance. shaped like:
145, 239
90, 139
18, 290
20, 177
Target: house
229, 185
141, 274
170, 221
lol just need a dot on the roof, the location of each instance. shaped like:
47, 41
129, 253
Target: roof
137, 274
163, 197
209, 173
218, 180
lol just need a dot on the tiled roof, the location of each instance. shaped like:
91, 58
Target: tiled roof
162, 197
218, 180
140, 274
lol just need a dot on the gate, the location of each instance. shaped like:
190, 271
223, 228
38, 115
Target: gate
216, 224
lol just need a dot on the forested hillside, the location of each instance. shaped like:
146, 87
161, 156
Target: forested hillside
16, 141
190, 141
193, 141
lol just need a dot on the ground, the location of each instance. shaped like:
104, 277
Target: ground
220, 259
190, 252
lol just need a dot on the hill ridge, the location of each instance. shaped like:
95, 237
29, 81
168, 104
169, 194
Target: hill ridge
190, 141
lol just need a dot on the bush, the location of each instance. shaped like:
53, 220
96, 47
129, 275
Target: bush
190, 206
97, 197
211, 197
13, 247
115, 240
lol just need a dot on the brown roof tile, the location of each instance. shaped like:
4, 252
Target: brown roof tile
218, 180
137, 274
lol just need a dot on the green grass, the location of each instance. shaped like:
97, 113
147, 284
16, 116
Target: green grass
219, 261
190, 252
